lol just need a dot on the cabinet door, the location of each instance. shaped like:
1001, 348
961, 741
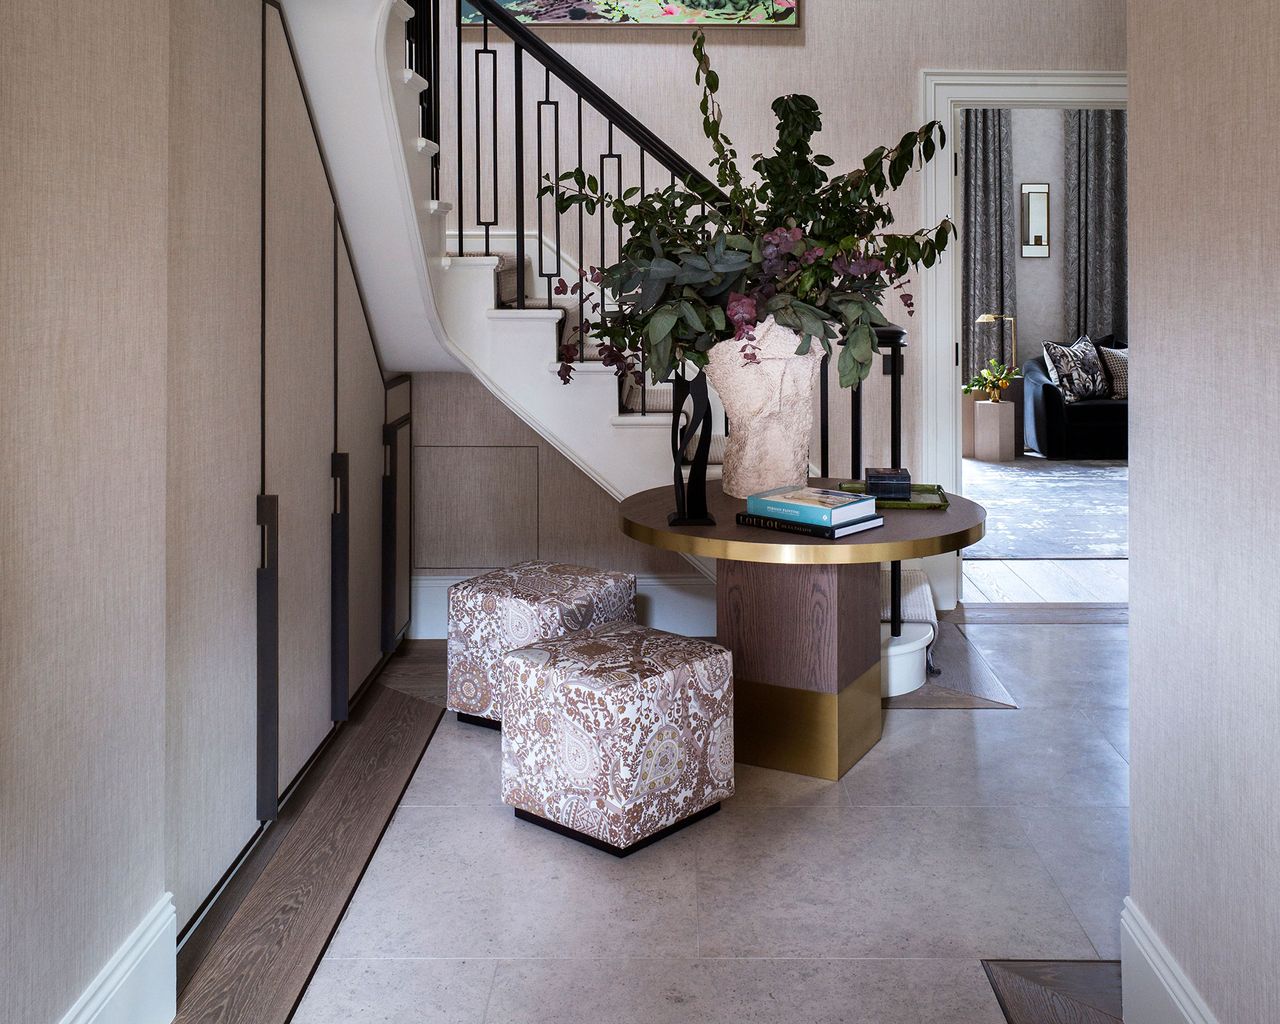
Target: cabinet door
361, 413
298, 401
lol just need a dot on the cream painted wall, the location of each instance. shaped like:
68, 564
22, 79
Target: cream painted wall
83, 183
1204, 381
1039, 155
862, 60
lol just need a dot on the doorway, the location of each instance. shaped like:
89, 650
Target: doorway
1057, 525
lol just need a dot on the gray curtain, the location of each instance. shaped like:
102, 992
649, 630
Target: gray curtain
987, 232
1096, 246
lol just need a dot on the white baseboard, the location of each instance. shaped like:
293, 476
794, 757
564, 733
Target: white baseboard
139, 984
678, 604
1156, 991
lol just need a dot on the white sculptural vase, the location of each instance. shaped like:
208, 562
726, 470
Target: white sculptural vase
769, 404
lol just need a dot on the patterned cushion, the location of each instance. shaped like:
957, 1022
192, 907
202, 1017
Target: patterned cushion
1116, 363
1076, 370
619, 732
527, 603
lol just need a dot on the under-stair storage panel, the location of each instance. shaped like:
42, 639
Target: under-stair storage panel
298, 401
361, 411
214, 441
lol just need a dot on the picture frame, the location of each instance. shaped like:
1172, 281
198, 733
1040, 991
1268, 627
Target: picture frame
682, 14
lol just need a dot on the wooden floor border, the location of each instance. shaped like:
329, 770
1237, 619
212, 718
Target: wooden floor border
1057, 991
1039, 614
263, 937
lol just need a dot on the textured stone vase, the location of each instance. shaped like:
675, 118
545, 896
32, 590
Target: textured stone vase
770, 409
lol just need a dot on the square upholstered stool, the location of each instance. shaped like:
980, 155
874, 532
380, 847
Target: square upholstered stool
525, 604
619, 735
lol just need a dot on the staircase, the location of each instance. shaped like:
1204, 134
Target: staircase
463, 266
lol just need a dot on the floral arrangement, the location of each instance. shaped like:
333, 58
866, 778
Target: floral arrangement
993, 378
811, 250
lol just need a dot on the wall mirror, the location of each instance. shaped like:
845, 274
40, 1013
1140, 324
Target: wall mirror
1035, 221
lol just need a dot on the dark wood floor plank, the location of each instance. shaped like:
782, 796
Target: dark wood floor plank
1057, 992
261, 962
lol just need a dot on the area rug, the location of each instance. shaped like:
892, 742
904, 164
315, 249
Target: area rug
1038, 508
964, 680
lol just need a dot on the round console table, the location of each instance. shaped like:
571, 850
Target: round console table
802, 618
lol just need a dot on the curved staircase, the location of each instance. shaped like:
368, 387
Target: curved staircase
381, 78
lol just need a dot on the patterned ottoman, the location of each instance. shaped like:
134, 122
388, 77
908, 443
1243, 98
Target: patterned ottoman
525, 604
619, 735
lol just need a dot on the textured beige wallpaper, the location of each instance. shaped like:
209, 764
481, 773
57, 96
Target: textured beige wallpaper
83, 119
1205, 283
214, 440
861, 59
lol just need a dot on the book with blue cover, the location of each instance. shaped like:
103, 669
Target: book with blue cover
813, 505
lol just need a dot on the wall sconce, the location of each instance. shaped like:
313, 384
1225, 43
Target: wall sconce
1035, 221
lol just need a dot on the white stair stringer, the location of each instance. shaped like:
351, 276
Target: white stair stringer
350, 55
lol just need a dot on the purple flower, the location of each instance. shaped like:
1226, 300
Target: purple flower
741, 311
811, 256
857, 266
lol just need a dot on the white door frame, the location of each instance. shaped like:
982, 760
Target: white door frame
946, 94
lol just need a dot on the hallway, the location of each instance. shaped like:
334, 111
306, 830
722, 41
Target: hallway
965, 835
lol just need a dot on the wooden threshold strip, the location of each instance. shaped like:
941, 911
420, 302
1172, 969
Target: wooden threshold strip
1040, 613
258, 966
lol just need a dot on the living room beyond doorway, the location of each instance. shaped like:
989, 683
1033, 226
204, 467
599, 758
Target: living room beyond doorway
1044, 353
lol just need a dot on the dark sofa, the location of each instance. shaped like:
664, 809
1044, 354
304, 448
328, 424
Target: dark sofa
1091, 429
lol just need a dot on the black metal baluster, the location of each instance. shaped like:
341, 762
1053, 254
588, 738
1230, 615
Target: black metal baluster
457, 130
486, 52
434, 98
824, 416
582, 257
519, 104
553, 107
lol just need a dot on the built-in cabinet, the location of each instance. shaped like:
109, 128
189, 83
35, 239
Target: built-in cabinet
289, 502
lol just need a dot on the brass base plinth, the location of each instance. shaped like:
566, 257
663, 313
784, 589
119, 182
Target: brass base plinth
818, 734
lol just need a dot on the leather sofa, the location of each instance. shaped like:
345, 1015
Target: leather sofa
1090, 429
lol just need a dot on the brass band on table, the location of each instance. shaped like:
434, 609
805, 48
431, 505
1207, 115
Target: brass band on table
782, 553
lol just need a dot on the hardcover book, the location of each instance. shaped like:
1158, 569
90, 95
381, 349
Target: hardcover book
807, 530
812, 505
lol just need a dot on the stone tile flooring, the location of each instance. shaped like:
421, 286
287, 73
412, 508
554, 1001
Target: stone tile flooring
966, 834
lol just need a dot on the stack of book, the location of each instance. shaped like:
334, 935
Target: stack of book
811, 511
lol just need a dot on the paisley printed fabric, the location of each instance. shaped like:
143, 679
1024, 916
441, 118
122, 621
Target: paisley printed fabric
526, 604
618, 732
1076, 370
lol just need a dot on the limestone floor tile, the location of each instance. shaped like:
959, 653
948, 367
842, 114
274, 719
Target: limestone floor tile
397, 992
1087, 852
764, 787
462, 765
989, 757
1057, 666
475, 882
742, 992
1113, 723
878, 882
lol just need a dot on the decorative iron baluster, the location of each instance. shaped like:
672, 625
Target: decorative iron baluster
457, 131
487, 54
552, 107
519, 103
582, 257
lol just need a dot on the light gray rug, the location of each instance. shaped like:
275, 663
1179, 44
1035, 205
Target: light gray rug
1038, 508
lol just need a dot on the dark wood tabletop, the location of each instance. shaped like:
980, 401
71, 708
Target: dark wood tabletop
905, 534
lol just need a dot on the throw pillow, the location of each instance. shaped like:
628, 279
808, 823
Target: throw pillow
1116, 362
1077, 370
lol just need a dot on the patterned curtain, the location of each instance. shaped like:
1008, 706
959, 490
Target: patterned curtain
987, 230
1097, 204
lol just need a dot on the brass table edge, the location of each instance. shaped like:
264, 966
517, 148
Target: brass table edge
830, 553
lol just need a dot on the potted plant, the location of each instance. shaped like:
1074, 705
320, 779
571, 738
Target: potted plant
755, 287
993, 378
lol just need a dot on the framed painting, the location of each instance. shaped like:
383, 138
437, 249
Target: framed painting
674, 14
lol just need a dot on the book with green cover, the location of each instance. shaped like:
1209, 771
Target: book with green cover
924, 497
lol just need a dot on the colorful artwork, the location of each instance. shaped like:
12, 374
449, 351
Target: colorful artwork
771, 13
